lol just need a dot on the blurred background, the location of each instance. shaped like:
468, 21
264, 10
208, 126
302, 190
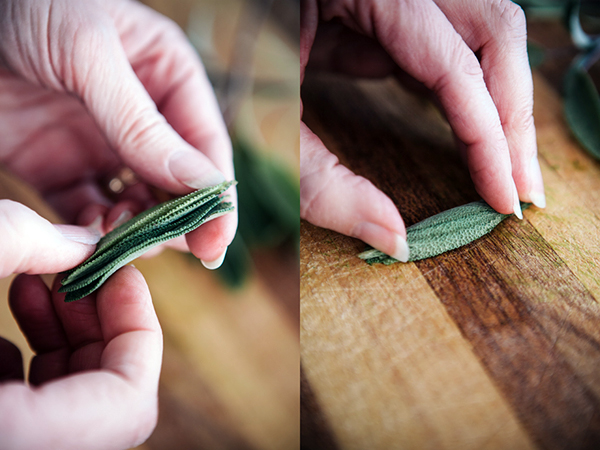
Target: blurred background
230, 377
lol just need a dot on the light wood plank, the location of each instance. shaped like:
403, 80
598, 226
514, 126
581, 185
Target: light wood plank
389, 367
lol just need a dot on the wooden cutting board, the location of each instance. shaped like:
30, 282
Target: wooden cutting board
494, 345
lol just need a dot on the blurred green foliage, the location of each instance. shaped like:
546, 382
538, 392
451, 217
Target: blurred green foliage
268, 209
582, 101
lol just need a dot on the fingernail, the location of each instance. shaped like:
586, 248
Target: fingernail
536, 195
193, 169
382, 239
83, 235
96, 224
123, 217
402, 252
212, 265
517, 204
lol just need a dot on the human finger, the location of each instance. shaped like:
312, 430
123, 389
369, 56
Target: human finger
111, 408
31, 305
333, 197
82, 329
11, 362
31, 244
444, 63
130, 328
171, 72
498, 31
95, 68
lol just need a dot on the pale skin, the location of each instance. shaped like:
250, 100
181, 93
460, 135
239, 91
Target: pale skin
94, 379
87, 87
488, 101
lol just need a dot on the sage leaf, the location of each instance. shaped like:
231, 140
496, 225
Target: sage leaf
145, 231
444, 232
582, 108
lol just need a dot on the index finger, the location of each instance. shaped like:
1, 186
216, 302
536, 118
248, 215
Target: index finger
499, 31
172, 74
444, 63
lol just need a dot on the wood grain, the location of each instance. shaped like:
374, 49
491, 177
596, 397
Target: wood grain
494, 345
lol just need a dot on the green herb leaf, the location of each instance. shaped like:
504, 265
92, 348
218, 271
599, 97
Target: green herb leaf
145, 231
444, 232
582, 108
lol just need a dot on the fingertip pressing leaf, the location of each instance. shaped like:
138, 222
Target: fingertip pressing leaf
443, 232
582, 108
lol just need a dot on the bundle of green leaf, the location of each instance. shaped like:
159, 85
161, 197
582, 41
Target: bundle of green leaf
443, 232
145, 231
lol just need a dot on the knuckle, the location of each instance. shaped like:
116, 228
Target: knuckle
94, 28
144, 126
470, 65
522, 125
467, 64
521, 121
511, 21
467, 61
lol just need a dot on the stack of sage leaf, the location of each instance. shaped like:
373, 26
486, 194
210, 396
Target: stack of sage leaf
161, 223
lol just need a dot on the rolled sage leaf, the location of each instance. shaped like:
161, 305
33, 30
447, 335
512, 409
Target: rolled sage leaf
582, 109
444, 232
145, 231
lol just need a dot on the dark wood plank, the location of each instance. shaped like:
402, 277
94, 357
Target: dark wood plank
523, 309
315, 433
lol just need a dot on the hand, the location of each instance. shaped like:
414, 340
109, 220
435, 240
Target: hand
97, 364
94, 379
87, 87
488, 102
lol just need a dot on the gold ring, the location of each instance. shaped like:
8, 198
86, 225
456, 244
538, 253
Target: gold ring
124, 178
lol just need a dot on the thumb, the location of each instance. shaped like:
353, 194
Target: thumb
31, 244
129, 117
76, 47
333, 197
